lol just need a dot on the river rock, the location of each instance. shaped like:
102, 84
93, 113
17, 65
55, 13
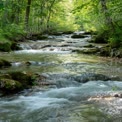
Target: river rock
8, 86
38, 37
67, 32
4, 63
26, 79
14, 82
83, 78
15, 46
89, 46
56, 33
78, 36
87, 32
86, 50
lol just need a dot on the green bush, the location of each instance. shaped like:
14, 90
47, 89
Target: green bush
115, 41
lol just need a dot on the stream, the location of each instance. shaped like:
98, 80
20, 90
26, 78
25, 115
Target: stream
67, 100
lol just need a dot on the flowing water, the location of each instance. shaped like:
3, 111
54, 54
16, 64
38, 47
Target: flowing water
67, 100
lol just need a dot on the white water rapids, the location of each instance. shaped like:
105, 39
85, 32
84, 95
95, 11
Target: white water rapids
57, 103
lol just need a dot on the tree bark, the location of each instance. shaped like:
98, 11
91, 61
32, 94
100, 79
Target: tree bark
108, 20
49, 15
27, 13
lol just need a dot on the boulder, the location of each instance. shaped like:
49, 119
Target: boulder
24, 78
87, 33
15, 46
78, 35
83, 78
14, 82
4, 63
67, 32
8, 86
86, 50
89, 46
38, 37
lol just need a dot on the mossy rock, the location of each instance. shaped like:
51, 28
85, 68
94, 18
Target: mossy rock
38, 37
9, 85
41, 37
5, 46
5, 76
87, 51
67, 32
24, 78
56, 33
14, 46
90, 51
104, 51
87, 33
4, 63
78, 36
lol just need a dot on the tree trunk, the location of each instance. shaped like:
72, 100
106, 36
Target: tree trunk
108, 20
49, 15
27, 13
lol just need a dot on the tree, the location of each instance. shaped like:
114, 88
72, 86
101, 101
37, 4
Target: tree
27, 13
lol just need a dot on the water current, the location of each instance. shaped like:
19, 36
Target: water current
68, 100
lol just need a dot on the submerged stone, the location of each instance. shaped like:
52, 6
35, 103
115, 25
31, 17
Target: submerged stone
83, 78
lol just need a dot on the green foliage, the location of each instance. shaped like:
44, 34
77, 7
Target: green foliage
116, 38
5, 47
13, 31
61, 15
101, 16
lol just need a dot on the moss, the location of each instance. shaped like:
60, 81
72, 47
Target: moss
5, 76
7, 85
37, 37
5, 46
115, 42
14, 82
14, 46
78, 36
4, 63
24, 78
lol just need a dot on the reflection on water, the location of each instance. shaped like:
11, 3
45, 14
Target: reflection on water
68, 63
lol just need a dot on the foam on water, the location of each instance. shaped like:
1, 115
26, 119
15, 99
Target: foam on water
31, 51
56, 98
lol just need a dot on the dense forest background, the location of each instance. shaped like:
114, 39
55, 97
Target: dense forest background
19, 18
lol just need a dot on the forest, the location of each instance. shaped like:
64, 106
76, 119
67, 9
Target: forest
26, 17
